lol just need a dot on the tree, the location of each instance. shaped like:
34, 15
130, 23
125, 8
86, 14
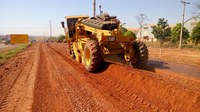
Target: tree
130, 33
141, 18
175, 34
61, 38
161, 30
195, 36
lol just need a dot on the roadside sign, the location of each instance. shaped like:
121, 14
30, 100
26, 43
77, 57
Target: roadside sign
19, 38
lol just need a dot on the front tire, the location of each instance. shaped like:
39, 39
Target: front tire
92, 56
141, 55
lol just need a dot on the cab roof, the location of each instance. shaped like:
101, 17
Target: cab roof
77, 16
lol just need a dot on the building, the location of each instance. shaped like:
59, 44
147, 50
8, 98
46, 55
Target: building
144, 33
191, 23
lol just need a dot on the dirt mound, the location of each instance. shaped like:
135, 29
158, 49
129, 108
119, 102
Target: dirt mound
164, 93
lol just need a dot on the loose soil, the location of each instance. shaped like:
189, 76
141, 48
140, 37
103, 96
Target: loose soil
45, 78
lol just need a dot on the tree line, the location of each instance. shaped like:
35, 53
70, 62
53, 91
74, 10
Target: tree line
162, 31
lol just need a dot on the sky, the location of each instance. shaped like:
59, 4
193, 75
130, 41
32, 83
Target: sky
33, 16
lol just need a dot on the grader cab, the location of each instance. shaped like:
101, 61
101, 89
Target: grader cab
92, 39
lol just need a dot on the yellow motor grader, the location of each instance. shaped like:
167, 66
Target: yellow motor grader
91, 39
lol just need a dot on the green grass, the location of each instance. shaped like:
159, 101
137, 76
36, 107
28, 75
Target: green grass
11, 52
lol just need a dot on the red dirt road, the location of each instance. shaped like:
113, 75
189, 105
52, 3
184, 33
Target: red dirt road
45, 78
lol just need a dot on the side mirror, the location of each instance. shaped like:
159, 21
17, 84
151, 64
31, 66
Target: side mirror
63, 24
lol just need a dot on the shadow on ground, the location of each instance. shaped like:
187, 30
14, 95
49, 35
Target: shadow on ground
103, 67
151, 66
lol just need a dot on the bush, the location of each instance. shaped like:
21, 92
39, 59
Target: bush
129, 33
123, 29
195, 37
175, 34
61, 38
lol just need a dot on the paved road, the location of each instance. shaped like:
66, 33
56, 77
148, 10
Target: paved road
190, 70
2, 46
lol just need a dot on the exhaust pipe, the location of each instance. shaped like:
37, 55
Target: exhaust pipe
94, 8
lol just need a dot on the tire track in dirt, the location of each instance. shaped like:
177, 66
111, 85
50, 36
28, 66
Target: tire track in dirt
7, 69
18, 91
83, 96
49, 94
127, 100
122, 98
154, 92
6, 75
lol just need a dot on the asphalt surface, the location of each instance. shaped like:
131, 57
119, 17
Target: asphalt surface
2, 46
189, 70
183, 69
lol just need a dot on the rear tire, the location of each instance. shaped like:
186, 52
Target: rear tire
141, 55
92, 56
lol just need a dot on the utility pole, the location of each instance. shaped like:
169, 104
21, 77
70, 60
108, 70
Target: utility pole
94, 8
50, 29
182, 22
